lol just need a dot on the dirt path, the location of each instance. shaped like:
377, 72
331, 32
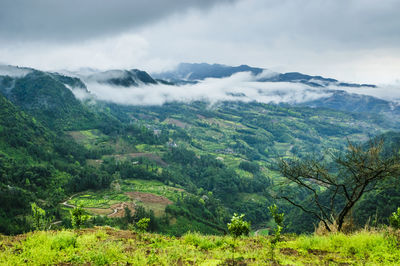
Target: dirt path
54, 223
65, 203
117, 209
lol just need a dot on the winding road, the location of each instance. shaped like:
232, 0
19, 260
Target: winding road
65, 203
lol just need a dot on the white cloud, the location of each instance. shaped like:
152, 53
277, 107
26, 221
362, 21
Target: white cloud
13, 71
389, 92
239, 87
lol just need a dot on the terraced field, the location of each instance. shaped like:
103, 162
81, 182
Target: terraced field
153, 195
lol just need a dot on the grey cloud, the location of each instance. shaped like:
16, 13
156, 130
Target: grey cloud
350, 40
65, 20
323, 24
340, 38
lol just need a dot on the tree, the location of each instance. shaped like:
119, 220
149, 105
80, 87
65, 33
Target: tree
331, 189
394, 219
238, 226
128, 215
142, 225
38, 218
78, 217
278, 218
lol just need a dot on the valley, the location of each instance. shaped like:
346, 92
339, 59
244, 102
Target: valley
187, 165
199, 132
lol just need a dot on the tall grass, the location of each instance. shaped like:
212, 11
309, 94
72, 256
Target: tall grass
105, 246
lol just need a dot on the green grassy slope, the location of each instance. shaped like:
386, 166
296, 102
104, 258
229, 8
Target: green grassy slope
106, 246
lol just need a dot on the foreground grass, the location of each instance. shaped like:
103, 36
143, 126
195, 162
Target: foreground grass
101, 246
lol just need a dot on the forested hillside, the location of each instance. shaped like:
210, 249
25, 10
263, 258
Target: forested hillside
188, 166
199, 132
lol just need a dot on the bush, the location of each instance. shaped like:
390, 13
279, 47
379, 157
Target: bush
64, 240
142, 225
278, 218
238, 227
38, 218
394, 219
78, 217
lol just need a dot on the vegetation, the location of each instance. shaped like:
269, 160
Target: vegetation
142, 224
38, 218
238, 226
278, 218
78, 217
188, 167
106, 246
333, 195
394, 219
223, 162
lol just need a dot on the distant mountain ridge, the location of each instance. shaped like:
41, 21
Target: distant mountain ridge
50, 94
357, 103
124, 78
338, 98
200, 71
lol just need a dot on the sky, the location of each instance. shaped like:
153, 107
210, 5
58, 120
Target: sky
350, 40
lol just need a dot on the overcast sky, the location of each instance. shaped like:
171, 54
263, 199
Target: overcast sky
351, 40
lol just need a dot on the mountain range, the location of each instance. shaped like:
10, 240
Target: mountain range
201, 71
21, 90
191, 162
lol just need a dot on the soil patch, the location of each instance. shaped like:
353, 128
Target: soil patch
119, 209
318, 252
176, 122
148, 198
238, 261
125, 234
100, 211
289, 251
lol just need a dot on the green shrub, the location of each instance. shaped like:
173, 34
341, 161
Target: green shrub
64, 240
38, 218
142, 225
394, 219
278, 218
238, 227
78, 217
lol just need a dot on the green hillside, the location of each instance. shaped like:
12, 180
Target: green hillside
186, 166
36, 165
45, 96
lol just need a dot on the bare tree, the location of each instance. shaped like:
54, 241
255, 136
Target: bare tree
334, 187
